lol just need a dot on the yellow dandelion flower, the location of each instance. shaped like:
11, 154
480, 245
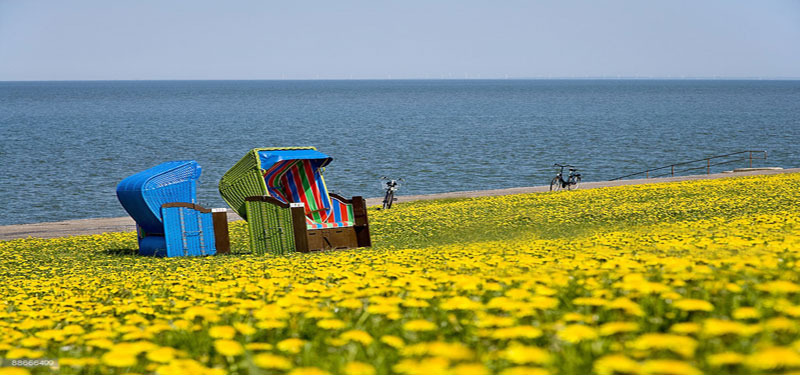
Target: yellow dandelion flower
99, 334
575, 317
100, 343
161, 355
244, 328
118, 359
505, 304
517, 294
524, 370
182, 324
545, 291
205, 312
413, 302
773, 358
668, 367
419, 325
524, 331
589, 301
73, 329
358, 336
693, 305
291, 345
30, 342
359, 368
382, 309
613, 328
135, 347
222, 332
521, 354
682, 345
270, 361
317, 314
14, 371
332, 324
351, 303
543, 303
393, 341
793, 311
717, 327
449, 350
427, 366
685, 328
615, 364
271, 324
576, 333
744, 313
725, 359
33, 354
496, 321
228, 348
17, 353
779, 287
71, 362
460, 303
271, 312
626, 305
781, 324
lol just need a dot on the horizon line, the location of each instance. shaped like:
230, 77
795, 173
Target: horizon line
555, 78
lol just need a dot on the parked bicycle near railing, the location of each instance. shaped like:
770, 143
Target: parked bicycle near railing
391, 186
570, 183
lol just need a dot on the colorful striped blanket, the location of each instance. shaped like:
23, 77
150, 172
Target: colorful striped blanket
300, 181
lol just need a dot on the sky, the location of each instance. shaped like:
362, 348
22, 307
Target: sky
409, 39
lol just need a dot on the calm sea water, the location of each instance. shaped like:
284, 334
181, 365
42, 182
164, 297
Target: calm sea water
65, 145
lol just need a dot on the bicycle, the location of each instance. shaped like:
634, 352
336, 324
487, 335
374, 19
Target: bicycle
391, 187
570, 183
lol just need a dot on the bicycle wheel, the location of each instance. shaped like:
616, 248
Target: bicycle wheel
573, 183
555, 184
388, 199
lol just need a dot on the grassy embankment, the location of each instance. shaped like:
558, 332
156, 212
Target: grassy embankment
681, 278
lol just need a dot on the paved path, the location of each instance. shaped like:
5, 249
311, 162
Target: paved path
126, 224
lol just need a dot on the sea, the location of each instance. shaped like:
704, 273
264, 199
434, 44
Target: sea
64, 146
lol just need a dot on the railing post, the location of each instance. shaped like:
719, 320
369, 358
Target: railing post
673, 170
646, 174
708, 167
751, 159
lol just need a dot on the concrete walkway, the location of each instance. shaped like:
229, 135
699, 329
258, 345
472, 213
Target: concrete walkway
126, 224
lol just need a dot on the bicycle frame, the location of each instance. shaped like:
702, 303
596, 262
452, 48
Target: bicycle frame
573, 177
391, 187
561, 173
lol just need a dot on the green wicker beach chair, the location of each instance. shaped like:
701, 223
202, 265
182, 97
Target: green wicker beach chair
282, 195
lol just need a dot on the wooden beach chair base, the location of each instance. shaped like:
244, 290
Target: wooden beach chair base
277, 227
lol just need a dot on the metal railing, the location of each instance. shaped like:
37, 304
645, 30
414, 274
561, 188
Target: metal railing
760, 155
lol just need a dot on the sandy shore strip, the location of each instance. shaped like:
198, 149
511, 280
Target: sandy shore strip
126, 224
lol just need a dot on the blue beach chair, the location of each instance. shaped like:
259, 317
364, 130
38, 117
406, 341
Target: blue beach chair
169, 222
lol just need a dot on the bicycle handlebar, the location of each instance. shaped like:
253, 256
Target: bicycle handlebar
563, 165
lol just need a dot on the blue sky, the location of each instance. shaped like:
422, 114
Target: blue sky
88, 40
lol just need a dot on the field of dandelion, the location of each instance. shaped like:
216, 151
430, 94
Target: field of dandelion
681, 278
